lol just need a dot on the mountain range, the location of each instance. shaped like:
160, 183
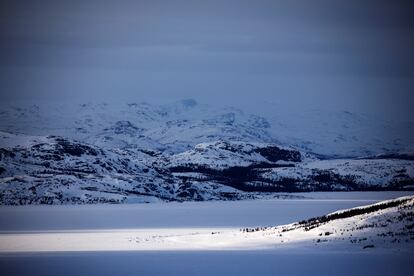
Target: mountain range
138, 152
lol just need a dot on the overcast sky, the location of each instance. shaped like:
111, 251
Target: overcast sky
351, 55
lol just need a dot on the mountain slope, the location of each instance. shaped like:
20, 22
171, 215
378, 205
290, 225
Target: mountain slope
179, 126
387, 224
174, 128
57, 170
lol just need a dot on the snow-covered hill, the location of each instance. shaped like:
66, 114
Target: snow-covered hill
388, 225
138, 152
180, 126
55, 170
174, 128
58, 170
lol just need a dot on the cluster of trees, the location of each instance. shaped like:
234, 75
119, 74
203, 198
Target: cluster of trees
255, 229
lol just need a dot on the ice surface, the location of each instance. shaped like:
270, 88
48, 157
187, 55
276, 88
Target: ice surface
191, 245
187, 214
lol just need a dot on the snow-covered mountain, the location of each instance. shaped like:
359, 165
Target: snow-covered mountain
138, 152
339, 133
180, 126
174, 128
58, 170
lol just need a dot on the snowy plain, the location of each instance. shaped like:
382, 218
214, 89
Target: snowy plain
110, 239
228, 214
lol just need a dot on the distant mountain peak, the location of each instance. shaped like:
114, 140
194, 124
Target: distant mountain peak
189, 103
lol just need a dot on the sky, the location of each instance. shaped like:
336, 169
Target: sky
340, 55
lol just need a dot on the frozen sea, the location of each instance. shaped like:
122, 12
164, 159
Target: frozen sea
62, 259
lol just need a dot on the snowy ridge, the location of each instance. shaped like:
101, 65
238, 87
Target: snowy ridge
384, 224
175, 128
222, 154
181, 125
57, 170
